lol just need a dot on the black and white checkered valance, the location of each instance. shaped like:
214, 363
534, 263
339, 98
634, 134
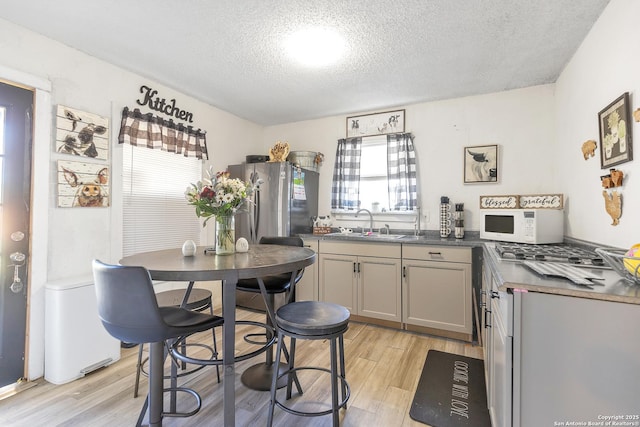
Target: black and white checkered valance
151, 131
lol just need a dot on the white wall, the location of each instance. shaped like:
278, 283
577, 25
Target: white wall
520, 121
76, 236
605, 66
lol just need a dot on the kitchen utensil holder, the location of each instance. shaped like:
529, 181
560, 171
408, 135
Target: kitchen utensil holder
445, 217
459, 228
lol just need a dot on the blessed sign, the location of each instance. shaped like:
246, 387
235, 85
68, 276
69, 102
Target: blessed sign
498, 202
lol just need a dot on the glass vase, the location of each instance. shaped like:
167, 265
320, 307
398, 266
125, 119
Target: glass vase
225, 235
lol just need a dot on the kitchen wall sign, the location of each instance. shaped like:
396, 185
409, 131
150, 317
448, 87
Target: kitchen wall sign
498, 202
375, 124
542, 201
535, 201
615, 133
81, 134
161, 105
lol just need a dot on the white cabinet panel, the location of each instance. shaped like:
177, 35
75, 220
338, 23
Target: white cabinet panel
307, 287
438, 295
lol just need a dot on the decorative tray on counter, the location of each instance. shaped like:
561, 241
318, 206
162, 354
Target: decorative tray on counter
626, 266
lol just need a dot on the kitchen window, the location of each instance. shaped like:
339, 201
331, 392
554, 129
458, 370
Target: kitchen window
155, 214
377, 173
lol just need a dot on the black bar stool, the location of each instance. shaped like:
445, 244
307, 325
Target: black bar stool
312, 320
199, 300
258, 376
129, 311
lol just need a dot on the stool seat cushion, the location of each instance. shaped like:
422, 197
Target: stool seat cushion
312, 318
275, 284
198, 298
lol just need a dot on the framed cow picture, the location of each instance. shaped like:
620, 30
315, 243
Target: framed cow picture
481, 164
82, 134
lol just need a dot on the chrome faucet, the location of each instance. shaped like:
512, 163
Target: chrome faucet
370, 218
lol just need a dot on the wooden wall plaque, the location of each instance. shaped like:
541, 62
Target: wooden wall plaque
499, 202
532, 201
542, 201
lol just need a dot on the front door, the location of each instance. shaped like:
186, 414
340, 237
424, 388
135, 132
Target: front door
16, 110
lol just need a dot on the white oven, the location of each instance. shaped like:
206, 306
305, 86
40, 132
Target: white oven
534, 226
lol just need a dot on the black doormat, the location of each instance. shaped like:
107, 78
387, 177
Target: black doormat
451, 392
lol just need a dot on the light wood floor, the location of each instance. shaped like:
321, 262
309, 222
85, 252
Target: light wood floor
383, 367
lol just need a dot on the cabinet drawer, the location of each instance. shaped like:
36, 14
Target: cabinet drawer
436, 253
382, 250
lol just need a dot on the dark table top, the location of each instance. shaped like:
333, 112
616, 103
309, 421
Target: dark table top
259, 261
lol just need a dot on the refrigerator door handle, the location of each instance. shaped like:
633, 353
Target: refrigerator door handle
254, 221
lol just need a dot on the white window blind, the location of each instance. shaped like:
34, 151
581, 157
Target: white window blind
156, 215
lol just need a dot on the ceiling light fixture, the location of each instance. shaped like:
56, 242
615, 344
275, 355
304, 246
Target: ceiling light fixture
316, 46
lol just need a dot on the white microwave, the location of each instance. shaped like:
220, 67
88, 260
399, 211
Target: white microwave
534, 226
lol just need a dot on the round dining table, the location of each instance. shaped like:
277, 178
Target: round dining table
259, 261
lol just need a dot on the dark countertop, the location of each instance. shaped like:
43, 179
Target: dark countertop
471, 239
512, 275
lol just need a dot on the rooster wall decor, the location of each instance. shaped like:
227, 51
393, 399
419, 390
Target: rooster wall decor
613, 205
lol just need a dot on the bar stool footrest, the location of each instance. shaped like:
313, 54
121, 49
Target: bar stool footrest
188, 391
178, 355
342, 404
184, 373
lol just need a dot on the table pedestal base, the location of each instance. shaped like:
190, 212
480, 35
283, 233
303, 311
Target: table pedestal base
259, 376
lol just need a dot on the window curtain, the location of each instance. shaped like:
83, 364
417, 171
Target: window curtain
152, 131
345, 190
401, 172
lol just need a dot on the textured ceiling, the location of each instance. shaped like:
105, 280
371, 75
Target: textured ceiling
230, 53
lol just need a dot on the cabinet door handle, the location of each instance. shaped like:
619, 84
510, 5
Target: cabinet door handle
486, 320
358, 268
435, 253
495, 294
404, 271
354, 267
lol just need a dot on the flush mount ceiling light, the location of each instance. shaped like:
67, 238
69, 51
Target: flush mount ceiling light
315, 46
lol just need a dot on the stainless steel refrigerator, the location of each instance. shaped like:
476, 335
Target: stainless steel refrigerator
284, 204
286, 200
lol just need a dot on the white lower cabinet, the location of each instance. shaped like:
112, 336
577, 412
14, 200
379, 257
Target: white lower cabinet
500, 380
437, 291
363, 277
307, 287
497, 322
553, 359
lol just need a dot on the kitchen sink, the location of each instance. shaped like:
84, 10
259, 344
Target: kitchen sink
377, 236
